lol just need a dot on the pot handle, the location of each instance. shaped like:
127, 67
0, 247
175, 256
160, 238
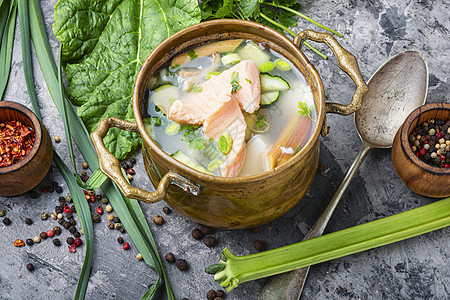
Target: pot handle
347, 62
110, 166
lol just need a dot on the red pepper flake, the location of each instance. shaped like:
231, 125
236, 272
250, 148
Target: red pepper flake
77, 242
99, 210
49, 233
67, 209
16, 141
72, 248
126, 246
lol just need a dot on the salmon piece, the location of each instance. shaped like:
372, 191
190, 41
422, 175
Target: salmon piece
249, 95
228, 118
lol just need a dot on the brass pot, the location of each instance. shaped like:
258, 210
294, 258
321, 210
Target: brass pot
229, 203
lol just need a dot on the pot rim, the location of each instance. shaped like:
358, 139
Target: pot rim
37, 137
141, 83
405, 129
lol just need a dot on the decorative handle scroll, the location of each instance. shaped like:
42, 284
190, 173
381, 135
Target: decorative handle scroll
347, 62
110, 165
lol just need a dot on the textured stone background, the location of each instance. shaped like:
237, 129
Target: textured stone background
418, 268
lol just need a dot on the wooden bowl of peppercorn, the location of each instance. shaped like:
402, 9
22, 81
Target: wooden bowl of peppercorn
421, 150
25, 149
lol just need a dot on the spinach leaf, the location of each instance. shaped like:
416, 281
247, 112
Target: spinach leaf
104, 45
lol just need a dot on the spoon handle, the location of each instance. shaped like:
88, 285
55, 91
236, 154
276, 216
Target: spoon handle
289, 286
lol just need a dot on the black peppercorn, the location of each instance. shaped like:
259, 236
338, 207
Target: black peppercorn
205, 229
57, 242
84, 178
120, 240
220, 293
125, 165
72, 229
122, 230
50, 189
259, 245
43, 235
30, 267
197, 234
61, 222
209, 241
66, 224
61, 199
59, 209
170, 257
70, 240
34, 195
29, 242
72, 222
181, 264
7, 221
72, 208
116, 220
166, 210
57, 230
58, 189
77, 234
69, 215
96, 218
211, 294
133, 161
158, 220
28, 221
131, 171
98, 197
110, 225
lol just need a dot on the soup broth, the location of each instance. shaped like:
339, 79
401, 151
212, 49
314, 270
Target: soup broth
230, 108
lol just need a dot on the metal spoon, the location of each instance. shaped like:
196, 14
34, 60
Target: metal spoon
395, 90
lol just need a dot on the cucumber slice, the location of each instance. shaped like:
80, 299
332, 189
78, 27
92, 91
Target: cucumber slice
252, 51
271, 83
266, 67
180, 156
163, 96
231, 59
269, 98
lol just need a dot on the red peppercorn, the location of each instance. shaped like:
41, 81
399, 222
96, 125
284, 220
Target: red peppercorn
447, 166
99, 210
422, 152
77, 242
49, 233
67, 209
438, 135
126, 246
72, 248
443, 157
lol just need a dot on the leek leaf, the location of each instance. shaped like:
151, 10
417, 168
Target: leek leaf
8, 13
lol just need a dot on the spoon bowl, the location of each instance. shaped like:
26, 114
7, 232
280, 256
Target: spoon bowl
398, 87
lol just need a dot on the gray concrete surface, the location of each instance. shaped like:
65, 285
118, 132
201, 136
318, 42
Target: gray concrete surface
417, 268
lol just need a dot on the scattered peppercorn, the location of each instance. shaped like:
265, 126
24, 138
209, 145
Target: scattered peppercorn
58, 189
205, 229
70, 240
77, 235
57, 230
34, 194
116, 220
110, 225
67, 209
131, 171
96, 218
126, 246
59, 209
158, 220
57, 139
99, 210
122, 230
197, 234
170, 257
59, 216
72, 249
130, 177
30, 267
125, 165
69, 215
166, 210
50, 189
139, 256
133, 161
181, 264
19, 243
77, 242
43, 235
7, 221
72, 222
44, 215
108, 208
110, 217
120, 240
66, 224
104, 201
209, 241
69, 198
259, 245
54, 215
2, 213
72, 229
29, 242
211, 294
49, 233
220, 293
61, 221
57, 242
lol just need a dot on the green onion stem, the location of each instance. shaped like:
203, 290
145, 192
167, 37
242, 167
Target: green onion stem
8, 13
304, 17
293, 34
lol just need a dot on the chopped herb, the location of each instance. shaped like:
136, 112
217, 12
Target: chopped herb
248, 80
192, 54
261, 122
235, 86
193, 136
197, 89
225, 143
210, 74
304, 110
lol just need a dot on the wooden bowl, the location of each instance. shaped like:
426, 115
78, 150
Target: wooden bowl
420, 177
26, 174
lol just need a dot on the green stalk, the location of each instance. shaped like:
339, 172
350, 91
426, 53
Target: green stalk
293, 34
130, 214
8, 13
233, 270
304, 17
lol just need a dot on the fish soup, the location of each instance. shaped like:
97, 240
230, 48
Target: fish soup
230, 108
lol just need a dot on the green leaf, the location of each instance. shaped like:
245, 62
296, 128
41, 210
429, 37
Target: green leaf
104, 45
226, 10
304, 110
213, 269
287, 19
8, 13
96, 180
250, 8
